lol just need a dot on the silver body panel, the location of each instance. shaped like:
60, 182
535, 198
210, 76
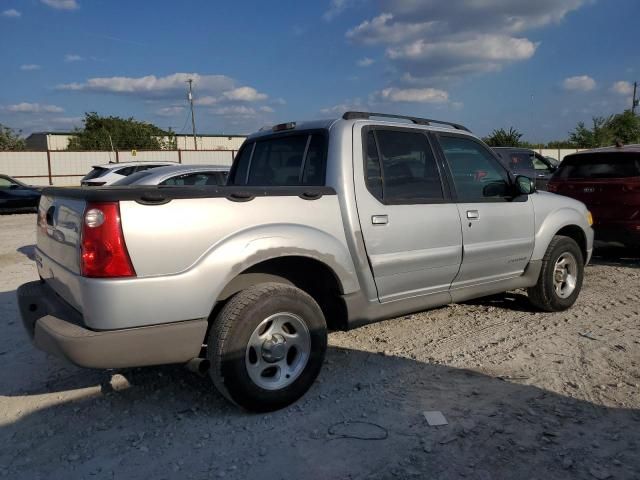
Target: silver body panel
187, 250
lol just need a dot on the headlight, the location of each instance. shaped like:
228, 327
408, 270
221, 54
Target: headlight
589, 218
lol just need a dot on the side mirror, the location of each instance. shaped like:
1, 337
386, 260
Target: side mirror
525, 185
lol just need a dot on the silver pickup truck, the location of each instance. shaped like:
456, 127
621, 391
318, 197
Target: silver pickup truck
323, 225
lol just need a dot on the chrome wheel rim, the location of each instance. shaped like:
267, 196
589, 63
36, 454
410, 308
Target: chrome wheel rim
565, 275
278, 351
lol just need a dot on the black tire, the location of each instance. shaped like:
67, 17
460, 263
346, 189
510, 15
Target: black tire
543, 294
232, 329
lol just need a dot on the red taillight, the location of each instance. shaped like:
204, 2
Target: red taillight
104, 253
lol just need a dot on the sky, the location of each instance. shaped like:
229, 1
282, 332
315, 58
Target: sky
538, 66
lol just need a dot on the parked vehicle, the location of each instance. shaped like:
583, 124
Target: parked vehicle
326, 224
178, 175
110, 173
607, 180
15, 196
523, 161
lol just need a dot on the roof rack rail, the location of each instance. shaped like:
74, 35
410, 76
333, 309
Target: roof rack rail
416, 120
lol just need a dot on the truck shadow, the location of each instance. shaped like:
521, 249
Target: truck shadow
363, 418
616, 257
28, 251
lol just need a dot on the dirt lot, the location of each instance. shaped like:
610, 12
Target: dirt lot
526, 395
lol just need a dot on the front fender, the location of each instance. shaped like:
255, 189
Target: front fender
552, 222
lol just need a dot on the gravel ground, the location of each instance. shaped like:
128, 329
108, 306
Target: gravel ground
526, 395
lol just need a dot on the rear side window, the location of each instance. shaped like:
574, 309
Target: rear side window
131, 179
281, 161
201, 179
600, 165
125, 171
401, 168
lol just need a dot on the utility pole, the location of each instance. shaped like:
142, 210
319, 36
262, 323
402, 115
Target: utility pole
193, 118
635, 100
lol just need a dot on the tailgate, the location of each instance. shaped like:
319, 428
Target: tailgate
59, 227
610, 199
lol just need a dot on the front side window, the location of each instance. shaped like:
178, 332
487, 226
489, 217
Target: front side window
476, 174
281, 161
401, 167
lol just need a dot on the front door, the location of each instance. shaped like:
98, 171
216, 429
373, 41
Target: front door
410, 225
497, 228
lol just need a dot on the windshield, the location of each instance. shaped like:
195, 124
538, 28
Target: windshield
133, 178
600, 165
297, 159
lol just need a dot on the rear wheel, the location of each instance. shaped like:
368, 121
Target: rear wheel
267, 345
561, 276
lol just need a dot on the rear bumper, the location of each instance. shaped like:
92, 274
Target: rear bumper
56, 328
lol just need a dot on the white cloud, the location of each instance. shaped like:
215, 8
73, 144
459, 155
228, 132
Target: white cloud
245, 94
365, 62
235, 110
435, 41
622, 88
346, 106
150, 85
11, 13
72, 57
26, 107
207, 100
336, 7
171, 111
29, 67
382, 29
419, 95
579, 83
61, 4
266, 109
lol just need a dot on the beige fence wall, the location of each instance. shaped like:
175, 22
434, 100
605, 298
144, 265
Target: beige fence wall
67, 168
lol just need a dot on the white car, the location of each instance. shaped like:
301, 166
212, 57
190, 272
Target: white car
112, 172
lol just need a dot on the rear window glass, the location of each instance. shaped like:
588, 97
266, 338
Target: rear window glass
281, 161
95, 173
600, 165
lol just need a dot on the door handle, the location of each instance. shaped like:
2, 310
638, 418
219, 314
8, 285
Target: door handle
473, 214
379, 219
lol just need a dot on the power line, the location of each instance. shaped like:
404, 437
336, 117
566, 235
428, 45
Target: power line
193, 118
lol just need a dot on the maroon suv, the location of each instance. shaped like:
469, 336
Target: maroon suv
607, 180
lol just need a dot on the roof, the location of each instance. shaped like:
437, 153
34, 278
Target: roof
132, 164
633, 148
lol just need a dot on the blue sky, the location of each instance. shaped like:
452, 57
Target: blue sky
538, 66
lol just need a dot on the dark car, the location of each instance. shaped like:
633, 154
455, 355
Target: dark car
607, 180
15, 196
523, 161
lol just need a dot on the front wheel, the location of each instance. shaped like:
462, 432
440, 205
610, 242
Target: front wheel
266, 347
561, 276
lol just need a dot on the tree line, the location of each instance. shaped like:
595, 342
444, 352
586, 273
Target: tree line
104, 133
604, 131
115, 133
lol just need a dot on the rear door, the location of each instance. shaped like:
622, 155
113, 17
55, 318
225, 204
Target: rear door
497, 230
410, 225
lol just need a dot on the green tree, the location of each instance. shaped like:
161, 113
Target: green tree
625, 127
10, 139
598, 136
503, 138
106, 133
